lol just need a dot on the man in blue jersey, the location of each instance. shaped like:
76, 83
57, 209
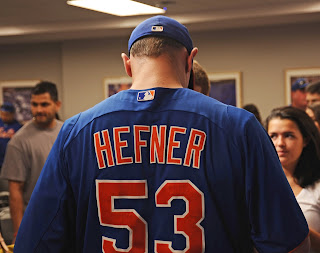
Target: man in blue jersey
162, 168
8, 127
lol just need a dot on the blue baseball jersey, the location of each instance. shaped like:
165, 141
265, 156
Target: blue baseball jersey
162, 170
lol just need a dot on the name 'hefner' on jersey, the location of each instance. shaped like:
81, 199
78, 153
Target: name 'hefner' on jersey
161, 145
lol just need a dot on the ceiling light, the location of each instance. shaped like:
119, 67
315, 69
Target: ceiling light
117, 7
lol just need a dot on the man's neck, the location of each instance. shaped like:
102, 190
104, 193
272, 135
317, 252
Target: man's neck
158, 72
50, 125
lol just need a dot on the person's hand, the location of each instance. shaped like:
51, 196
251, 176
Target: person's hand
3, 244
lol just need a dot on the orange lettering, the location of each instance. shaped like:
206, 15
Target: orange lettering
157, 145
138, 143
194, 150
172, 144
119, 144
103, 148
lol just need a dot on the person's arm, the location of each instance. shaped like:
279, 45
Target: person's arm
304, 247
315, 240
310, 207
16, 204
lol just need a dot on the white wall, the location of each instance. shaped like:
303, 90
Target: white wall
85, 65
32, 62
79, 67
262, 54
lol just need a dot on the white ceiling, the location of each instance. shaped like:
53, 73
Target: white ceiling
54, 20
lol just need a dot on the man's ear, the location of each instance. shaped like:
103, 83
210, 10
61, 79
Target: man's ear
58, 105
193, 53
127, 64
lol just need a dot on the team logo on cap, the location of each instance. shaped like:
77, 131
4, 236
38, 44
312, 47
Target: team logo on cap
146, 95
157, 28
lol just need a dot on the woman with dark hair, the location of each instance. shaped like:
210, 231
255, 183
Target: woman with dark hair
313, 111
297, 142
253, 109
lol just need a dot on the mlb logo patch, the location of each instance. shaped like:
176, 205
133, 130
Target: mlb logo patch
146, 95
157, 28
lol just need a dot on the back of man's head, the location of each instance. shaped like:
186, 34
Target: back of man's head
44, 87
313, 88
151, 46
162, 36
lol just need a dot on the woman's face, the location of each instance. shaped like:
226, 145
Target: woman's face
288, 141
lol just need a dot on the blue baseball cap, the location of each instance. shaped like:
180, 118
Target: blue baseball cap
7, 107
299, 84
162, 26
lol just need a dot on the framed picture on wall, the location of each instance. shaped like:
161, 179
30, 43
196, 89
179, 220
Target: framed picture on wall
226, 87
112, 86
291, 75
19, 94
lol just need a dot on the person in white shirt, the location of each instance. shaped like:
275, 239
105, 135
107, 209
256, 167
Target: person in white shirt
297, 142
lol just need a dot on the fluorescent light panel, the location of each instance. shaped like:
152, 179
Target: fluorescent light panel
117, 7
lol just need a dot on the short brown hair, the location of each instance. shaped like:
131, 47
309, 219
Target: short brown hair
153, 46
315, 107
201, 78
313, 88
45, 86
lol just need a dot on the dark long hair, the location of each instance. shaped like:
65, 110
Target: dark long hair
253, 109
308, 168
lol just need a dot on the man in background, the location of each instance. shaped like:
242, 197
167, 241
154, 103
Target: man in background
313, 93
201, 79
27, 151
8, 127
298, 94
